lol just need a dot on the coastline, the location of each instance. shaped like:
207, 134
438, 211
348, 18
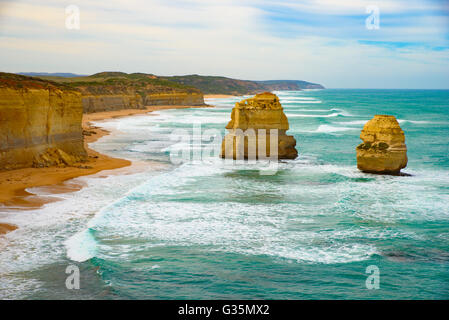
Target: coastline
13, 183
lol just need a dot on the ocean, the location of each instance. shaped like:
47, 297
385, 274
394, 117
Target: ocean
316, 228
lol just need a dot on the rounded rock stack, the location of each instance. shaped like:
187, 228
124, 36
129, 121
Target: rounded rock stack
254, 121
383, 149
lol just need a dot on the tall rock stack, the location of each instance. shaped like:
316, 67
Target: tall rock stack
252, 118
383, 149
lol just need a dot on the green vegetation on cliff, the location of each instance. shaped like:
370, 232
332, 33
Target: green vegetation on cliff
188, 83
15, 81
217, 85
120, 82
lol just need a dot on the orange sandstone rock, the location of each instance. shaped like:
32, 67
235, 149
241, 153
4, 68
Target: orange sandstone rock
254, 122
383, 149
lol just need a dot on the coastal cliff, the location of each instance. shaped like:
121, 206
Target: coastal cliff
383, 149
40, 123
117, 102
113, 91
179, 99
249, 119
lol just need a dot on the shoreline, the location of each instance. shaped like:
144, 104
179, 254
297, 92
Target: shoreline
13, 183
218, 96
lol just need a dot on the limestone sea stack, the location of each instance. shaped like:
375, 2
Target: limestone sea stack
253, 118
383, 149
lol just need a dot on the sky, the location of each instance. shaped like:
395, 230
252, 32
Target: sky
335, 43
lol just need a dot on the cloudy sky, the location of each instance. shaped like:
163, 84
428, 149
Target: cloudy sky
324, 41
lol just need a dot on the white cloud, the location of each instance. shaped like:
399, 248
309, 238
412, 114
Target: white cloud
230, 38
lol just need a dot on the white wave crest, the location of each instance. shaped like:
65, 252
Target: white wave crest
325, 128
81, 247
334, 114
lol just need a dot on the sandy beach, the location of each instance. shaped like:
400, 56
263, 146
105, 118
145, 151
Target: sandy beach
13, 183
5, 228
218, 96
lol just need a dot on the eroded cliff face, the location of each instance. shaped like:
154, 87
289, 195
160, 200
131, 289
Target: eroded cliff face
118, 91
383, 149
176, 99
102, 103
115, 102
252, 118
40, 123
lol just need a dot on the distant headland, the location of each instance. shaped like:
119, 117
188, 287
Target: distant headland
207, 84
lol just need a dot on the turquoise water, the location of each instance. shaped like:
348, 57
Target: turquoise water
207, 230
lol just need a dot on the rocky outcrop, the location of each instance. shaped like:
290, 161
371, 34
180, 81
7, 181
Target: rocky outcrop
256, 121
40, 123
383, 149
